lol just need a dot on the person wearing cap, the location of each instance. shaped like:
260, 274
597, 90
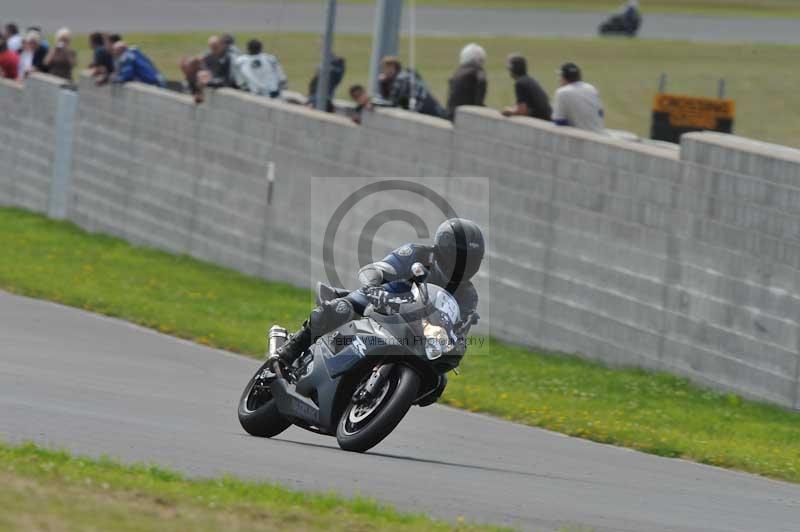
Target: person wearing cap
468, 84
577, 103
532, 100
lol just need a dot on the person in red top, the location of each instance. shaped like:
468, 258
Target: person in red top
9, 61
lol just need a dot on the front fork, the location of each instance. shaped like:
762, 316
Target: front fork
374, 384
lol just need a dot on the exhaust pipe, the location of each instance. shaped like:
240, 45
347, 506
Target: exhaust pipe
276, 338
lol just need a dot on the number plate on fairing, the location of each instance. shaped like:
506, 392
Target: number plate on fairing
448, 305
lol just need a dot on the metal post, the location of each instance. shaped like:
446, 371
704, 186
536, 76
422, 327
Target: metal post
662, 83
327, 53
61, 179
412, 54
721, 89
385, 38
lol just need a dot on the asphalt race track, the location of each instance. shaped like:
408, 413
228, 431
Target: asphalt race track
290, 16
96, 386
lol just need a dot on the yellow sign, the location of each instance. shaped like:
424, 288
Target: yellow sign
691, 111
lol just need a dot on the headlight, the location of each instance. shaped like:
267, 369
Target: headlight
436, 341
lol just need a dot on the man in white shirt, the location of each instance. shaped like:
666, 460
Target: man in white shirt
258, 72
577, 103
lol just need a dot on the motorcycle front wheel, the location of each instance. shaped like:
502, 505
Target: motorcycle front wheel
258, 411
364, 425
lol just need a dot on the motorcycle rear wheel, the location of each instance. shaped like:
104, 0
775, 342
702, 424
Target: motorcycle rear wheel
258, 411
363, 427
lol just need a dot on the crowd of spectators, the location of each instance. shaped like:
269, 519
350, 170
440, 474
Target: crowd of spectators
22, 54
575, 103
113, 60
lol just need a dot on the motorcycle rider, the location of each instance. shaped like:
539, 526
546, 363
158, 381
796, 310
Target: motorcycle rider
453, 259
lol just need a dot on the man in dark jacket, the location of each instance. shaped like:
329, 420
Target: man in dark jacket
532, 100
102, 65
468, 84
407, 90
38, 49
210, 70
338, 68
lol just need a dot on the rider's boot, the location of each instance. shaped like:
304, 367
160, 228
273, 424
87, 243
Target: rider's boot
295, 345
323, 319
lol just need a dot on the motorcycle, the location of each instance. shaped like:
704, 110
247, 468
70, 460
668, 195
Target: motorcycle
622, 24
358, 382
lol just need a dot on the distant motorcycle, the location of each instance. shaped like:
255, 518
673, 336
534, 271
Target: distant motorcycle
626, 23
359, 381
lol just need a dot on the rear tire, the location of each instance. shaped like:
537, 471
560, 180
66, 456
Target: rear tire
358, 437
258, 411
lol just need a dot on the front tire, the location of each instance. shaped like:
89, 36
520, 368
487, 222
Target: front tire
361, 429
258, 411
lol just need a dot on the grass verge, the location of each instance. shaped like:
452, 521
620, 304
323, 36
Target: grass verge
655, 413
625, 71
52, 490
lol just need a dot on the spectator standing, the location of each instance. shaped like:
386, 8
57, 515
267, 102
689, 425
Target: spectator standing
214, 69
359, 95
31, 59
61, 58
229, 41
468, 84
407, 89
578, 103
531, 98
9, 61
338, 68
13, 38
260, 73
135, 66
43, 40
217, 63
113, 39
102, 66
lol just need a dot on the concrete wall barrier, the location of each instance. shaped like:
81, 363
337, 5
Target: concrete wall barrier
686, 261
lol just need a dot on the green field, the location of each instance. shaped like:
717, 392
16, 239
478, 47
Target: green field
761, 78
734, 8
42, 489
655, 413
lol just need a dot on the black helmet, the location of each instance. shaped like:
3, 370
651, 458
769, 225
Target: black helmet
459, 247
